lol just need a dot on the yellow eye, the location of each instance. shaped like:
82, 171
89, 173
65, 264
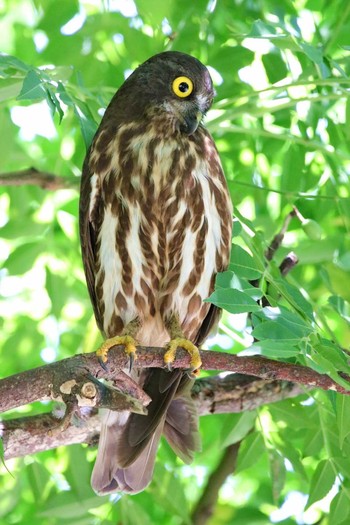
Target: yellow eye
182, 86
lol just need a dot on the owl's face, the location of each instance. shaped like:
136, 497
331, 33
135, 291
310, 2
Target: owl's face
172, 82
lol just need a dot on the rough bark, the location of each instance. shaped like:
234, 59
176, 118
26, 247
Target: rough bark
213, 395
75, 379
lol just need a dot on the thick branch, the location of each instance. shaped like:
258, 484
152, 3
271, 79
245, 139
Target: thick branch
47, 381
213, 395
34, 177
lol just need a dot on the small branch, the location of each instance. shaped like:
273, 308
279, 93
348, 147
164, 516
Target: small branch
34, 177
288, 263
206, 504
278, 238
31, 434
236, 393
213, 395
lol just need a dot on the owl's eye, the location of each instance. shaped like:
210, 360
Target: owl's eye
182, 86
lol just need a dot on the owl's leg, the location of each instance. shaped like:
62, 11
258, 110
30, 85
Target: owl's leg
126, 338
177, 339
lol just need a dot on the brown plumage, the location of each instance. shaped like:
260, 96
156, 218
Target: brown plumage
155, 224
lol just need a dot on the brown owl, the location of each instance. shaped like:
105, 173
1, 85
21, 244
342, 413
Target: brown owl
155, 225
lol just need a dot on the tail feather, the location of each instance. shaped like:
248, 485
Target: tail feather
181, 428
129, 442
130, 480
112, 429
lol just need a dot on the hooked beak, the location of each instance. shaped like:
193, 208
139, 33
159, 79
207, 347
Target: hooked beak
191, 122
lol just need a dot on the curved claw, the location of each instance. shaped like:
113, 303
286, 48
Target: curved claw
187, 345
125, 340
103, 363
193, 373
132, 358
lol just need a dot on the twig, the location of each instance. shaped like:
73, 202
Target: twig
213, 395
34, 177
278, 238
288, 263
206, 504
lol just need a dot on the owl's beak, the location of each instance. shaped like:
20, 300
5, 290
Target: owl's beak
191, 122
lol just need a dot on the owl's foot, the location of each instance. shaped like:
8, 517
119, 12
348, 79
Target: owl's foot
187, 345
126, 340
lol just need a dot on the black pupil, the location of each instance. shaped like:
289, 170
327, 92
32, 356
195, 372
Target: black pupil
183, 87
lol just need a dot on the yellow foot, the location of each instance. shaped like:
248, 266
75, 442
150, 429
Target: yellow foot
126, 340
170, 354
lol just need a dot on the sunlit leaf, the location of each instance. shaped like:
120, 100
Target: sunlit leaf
321, 482
340, 508
234, 301
243, 264
250, 451
32, 88
341, 306
240, 426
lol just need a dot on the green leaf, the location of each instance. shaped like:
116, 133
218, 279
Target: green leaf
8, 61
312, 229
67, 506
343, 464
281, 324
323, 359
341, 306
238, 427
170, 493
343, 417
275, 349
295, 298
339, 512
78, 473
229, 279
32, 88
133, 513
38, 477
333, 353
243, 264
236, 228
87, 122
295, 415
321, 482
250, 451
234, 301
312, 52
313, 442
22, 259
271, 330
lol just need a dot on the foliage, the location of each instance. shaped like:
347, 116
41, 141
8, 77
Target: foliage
280, 122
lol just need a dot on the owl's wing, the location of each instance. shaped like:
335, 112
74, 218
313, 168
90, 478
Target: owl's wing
88, 233
209, 324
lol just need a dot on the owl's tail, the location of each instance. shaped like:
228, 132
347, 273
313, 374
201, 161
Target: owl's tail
129, 442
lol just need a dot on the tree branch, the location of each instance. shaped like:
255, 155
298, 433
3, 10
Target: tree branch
205, 506
68, 379
213, 395
34, 177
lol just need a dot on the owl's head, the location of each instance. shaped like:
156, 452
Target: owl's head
173, 83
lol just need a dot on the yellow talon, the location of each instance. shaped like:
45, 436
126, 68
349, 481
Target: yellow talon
126, 340
170, 354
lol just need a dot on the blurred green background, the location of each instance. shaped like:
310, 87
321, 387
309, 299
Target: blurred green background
280, 121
